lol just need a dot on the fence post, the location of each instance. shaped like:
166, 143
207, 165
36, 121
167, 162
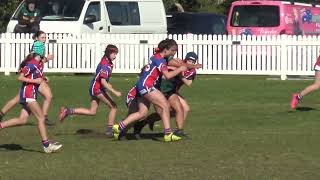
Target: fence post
189, 41
99, 49
284, 57
8, 55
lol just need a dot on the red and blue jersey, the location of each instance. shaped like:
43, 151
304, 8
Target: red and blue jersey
103, 71
31, 70
317, 64
151, 74
41, 66
189, 74
132, 94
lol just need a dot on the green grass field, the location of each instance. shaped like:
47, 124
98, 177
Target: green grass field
241, 128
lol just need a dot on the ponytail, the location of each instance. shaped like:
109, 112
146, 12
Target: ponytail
157, 50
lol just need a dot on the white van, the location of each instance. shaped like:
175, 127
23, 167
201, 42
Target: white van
99, 16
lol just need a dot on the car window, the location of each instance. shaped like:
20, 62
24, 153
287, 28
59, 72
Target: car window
195, 23
94, 9
55, 10
255, 16
123, 13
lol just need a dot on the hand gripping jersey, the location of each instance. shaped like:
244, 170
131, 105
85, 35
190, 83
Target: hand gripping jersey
103, 71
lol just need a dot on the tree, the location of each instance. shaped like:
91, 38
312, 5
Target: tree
168, 4
7, 7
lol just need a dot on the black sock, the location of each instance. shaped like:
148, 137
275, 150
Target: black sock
178, 131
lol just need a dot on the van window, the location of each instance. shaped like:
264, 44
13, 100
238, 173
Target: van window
255, 16
196, 23
123, 13
94, 9
57, 10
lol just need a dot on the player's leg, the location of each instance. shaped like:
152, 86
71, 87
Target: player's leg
138, 126
298, 96
36, 110
105, 98
177, 107
9, 105
21, 120
143, 108
185, 107
45, 91
158, 99
66, 111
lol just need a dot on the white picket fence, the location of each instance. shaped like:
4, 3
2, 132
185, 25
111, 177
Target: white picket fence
246, 55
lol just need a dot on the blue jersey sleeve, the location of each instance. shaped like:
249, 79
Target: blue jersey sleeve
28, 69
105, 72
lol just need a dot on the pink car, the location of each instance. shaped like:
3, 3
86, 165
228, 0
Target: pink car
273, 18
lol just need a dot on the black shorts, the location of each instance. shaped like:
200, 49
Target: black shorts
25, 107
170, 93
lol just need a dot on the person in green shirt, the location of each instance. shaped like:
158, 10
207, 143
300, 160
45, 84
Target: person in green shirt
28, 18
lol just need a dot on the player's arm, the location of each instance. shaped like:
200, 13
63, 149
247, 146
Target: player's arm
187, 81
25, 71
48, 58
178, 63
172, 68
27, 80
109, 87
170, 74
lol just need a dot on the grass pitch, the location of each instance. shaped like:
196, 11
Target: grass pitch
241, 128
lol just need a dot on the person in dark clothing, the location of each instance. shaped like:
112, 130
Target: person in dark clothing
28, 18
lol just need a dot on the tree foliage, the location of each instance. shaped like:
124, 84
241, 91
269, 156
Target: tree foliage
7, 7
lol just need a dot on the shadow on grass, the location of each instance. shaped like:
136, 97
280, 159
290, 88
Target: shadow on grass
302, 109
152, 136
305, 109
89, 133
84, 131
16, 147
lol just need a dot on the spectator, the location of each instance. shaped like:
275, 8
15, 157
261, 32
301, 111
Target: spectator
28, 18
